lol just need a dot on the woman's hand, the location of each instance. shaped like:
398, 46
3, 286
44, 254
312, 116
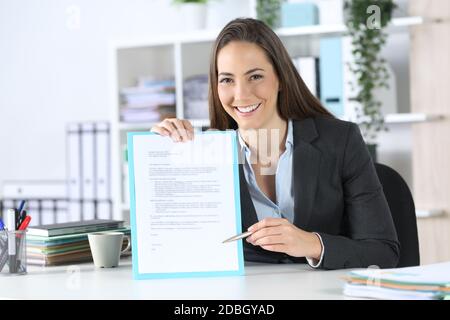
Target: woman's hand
276, 234
177, 129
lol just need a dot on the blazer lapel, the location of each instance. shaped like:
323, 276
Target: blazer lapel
306, 163
248, 211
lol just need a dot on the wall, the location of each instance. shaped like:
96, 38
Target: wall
54, 71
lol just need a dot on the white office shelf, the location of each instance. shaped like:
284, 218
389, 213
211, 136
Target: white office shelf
399, 118
411, 117
429, 213
141, 126
210, 35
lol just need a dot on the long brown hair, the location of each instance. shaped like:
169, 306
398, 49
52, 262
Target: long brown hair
295, 101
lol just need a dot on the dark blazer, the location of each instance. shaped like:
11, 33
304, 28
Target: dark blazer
337, 194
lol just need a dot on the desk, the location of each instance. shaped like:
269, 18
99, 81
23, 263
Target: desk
261, 281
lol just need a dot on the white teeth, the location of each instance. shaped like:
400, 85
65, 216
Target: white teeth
248, 109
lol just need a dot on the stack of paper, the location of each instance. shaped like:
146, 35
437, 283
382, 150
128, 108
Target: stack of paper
56, 250
424, 282
151, 100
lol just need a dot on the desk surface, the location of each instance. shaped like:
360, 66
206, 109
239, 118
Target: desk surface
261, 281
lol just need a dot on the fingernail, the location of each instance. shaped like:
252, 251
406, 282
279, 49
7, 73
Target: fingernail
250, 228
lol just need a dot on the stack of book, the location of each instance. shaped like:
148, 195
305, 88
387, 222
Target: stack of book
61, 243
426, 282
151, 100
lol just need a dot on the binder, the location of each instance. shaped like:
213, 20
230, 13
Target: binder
308, 67
89, 171
88, 161
296, 14
88, 174
74, 186
104, 209
102, 157
331, 75
88, 209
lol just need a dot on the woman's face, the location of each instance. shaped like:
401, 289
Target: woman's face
247, 85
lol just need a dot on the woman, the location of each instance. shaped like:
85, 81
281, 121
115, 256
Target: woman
313, 193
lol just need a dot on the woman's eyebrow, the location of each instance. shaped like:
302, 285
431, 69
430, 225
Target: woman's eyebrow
248, 72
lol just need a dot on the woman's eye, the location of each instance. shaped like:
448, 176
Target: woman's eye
256, 77
225, 80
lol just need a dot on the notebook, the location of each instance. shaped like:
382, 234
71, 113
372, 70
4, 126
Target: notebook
58, 229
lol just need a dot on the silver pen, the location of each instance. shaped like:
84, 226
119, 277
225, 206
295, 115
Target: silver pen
239, 236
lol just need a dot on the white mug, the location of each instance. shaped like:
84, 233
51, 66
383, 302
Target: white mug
106, 248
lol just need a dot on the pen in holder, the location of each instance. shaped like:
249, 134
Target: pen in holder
13, 247
13, 255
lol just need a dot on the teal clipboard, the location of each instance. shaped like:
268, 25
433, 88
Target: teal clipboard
134, 243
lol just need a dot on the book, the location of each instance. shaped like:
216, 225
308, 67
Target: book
422, 282
68, 238
62, 249
77, 253
57, 229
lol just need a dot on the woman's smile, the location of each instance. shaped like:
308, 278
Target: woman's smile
248, 110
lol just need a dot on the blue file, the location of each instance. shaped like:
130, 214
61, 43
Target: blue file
299, 14
331, 75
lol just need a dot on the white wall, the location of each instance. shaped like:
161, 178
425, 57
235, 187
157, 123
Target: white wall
54, 71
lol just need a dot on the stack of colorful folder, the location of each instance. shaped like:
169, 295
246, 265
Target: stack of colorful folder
428, 282
63, 249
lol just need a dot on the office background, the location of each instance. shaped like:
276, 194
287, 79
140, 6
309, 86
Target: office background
56, 70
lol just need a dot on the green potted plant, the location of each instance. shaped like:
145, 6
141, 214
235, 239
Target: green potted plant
269, 11
366, 21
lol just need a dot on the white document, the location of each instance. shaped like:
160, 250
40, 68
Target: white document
184, 203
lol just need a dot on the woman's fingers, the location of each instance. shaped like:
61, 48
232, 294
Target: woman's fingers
264, 233
269, 240
267, 222
181, 128
160, 130
189, 128
170, 126
178, 130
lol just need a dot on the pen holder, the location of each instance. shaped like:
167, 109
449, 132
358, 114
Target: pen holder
13, 252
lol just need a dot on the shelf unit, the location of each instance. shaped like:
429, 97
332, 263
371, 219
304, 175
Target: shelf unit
182, 55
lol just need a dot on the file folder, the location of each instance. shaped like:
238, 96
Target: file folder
74, 168
331, 75
295, 14
88, 161
102, 157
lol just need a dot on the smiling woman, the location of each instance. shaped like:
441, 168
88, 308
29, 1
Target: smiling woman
308, 186
250, 98
248, 43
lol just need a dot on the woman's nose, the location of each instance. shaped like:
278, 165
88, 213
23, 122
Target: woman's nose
242, 91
